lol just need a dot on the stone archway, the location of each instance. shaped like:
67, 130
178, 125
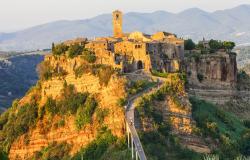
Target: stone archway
139, 65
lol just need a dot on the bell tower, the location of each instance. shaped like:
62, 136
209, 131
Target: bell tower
117, 24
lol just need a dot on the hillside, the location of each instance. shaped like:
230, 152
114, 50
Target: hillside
230, 24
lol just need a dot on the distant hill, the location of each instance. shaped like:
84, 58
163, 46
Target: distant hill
230, 24
243, 56
17, 75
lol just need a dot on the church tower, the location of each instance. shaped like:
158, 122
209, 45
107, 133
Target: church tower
117, 24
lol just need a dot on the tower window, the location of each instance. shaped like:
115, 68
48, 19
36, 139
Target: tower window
117, 16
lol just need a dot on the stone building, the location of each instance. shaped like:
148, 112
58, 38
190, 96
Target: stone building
161, 51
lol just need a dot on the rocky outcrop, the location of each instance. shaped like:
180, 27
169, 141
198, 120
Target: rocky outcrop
47, 130
212, 77
212, 71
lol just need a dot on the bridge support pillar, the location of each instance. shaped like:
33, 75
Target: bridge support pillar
132, 146
128, 140
136, 155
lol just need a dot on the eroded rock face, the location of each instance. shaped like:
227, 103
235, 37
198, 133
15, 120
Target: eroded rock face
46, 131
212, 71
212, 77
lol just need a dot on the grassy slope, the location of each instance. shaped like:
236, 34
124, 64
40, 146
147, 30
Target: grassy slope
224, 130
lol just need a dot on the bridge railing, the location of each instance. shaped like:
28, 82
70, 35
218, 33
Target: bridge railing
135, 143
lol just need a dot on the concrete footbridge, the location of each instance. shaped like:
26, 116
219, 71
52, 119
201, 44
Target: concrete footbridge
133, 139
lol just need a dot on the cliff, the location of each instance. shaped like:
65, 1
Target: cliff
48, 128
212, 77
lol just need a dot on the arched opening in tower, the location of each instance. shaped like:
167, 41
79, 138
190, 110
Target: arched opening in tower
139, 65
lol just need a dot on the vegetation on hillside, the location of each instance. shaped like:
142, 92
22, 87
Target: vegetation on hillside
135, 87
159, 143
159, 74
214, 46
243, 80
104, 147
74, 51
229, 135
82, 105
54, 151
103, 72
189, 44
46, 71
15, 122
19, 119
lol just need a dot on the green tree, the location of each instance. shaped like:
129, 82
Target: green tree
85, 112
228, 45
75, 50
89, 56
50, 106
53, 47
215, 45
189, 44
59, 49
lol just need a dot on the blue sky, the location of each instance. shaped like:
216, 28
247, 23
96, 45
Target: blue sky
19, 14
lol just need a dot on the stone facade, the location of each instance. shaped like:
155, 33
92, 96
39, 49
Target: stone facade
117, 23
132, 51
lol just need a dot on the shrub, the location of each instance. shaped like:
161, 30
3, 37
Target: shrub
215, 45
50, 106
104, 74
54, 151
242, 158
121, 102
79, 71
89, 56
101, 114
219, 125
85, 112
189, 44
245, 143
96, 148
44, 70
159, 74
211, 157
246, 123
18, 123
138, 86
59, 72
75, 50
3, 155
59, 49
69, 103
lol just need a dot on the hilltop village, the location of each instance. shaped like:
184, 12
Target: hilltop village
161, 52
131, 96
134, 51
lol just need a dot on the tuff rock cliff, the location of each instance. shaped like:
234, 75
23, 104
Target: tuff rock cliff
47, 130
